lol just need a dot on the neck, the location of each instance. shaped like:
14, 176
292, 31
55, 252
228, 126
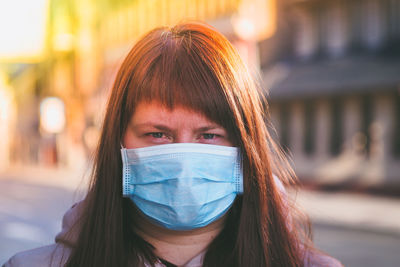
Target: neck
177, 247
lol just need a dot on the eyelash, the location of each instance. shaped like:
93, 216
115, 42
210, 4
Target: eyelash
210, 134
156, 135
206, 136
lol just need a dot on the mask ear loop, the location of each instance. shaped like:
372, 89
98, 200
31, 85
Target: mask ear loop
239, 174
126, 173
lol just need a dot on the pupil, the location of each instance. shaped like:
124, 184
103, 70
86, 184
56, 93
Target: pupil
208, 136
157, 135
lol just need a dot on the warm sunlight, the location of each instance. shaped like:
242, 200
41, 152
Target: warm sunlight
22, 29
52, 115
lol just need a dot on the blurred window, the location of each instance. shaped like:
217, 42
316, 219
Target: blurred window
335, 27
392, 10
306, 37
373, 22
355, 18
309, 127
366, 121
396, 128
320, 13
336, 138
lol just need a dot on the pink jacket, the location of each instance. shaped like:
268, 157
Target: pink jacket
54, 254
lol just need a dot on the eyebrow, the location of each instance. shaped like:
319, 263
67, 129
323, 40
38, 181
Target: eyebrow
150, 124
166, 128
207, 128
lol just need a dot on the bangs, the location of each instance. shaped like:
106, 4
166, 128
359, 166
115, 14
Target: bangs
178, 76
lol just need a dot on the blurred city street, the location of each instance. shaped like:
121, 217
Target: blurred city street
32, 203
329, 69
359, 230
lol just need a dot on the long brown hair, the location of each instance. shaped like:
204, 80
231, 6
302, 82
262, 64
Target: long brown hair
194, 66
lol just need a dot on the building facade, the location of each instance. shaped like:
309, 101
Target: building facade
85, 43
334, 89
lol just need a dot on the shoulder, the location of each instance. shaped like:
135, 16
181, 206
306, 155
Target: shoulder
51, 255
319, 259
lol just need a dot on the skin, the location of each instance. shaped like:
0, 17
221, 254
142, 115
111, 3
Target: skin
152, 124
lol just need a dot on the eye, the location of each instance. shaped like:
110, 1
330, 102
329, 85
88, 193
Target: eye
209, 136
156, 134
157, 137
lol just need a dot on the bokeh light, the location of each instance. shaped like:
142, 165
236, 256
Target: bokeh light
52, 115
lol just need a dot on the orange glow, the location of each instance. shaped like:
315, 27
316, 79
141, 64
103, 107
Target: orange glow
7, 117
255, 20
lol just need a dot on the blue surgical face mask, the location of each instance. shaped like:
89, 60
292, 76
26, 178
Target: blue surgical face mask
182, 186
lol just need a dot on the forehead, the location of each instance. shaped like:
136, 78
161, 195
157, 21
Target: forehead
156, 111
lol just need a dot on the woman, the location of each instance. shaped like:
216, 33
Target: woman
183, 173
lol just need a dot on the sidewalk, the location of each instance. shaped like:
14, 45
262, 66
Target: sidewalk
58, 177
357, 211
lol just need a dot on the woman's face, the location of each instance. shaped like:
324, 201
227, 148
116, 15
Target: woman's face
153, 124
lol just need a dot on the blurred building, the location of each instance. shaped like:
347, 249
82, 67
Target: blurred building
68, 76
331, 69
333, 74
22, 49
